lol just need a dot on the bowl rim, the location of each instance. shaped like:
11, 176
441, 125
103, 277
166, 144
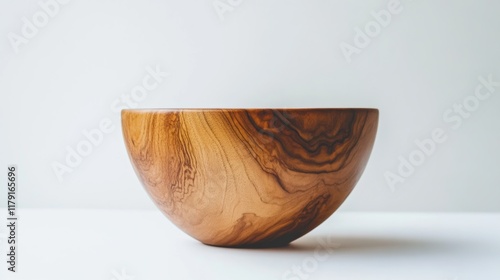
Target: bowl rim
168, 110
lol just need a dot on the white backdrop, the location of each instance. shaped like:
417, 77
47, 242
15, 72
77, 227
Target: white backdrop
431, 67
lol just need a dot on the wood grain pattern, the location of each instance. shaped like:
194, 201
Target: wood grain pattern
249, 178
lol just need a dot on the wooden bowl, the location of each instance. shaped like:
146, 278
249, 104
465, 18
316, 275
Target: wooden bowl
249, 177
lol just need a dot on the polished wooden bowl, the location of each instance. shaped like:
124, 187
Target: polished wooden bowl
249, 177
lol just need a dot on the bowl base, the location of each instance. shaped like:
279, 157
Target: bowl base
268, 245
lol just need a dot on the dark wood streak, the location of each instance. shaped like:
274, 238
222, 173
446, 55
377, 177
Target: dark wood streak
293, 144
249, 178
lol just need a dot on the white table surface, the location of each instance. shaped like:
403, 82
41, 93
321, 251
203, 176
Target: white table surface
144, 245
